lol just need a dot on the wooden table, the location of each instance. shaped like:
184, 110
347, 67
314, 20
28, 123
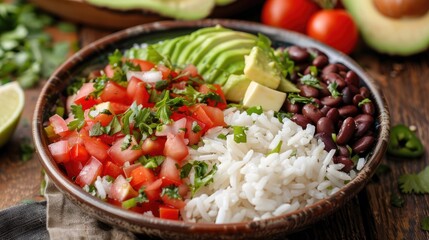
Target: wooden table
405, 84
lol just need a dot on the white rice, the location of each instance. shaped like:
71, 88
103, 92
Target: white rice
251, 184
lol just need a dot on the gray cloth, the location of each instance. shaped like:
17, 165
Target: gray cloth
66, 221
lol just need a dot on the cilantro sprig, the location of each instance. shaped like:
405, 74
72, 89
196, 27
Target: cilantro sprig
417, 183
79, 118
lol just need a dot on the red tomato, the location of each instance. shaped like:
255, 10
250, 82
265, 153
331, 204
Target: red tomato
288, 14
177, 203
121, 190
114, 93
103, 118
95, 146
84, 98
137, 91
73, 168
190, 70
59, 125
89, 172
60, 151
215, 115
141, 176
194, 130
166, 212
108, 70
120, 156
153, 191
335, 28
154, 147
79, 153
128, 169
119, 108
144, 65
164, 70
112, 169
216, 88
169, 170
176, 148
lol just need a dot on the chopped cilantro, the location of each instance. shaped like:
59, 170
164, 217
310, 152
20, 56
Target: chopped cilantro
79, 118
332, 87
96, 130
202, 176
151, 162
161, 85
132, 202
277, 148
282, 115
172, 192
186, 169
240, 134
221, 136
311, 80
296, 98
417, 183
364, 101
255, 109
195, 127
126, 143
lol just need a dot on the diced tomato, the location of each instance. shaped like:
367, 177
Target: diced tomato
164, 70
190, 70
137, 92
215, 114
132, 86
89, 172
108, 70
113, 92
179, 85
170, 171
183, 190
128, 169
60, 151
59, 125
120, 156
73, 168
94, 146
144, 65
108, 139
177, 203
175, 147
79, 153
216, 88
177, 115
103, 118
154, 146
119, 108
141, 176
121, 190
194, 130
84, 98
166, 212
201, 115
168, 182
153, 190
112, 169
73, 138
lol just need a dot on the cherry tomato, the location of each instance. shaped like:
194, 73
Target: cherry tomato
288, 14
335, 28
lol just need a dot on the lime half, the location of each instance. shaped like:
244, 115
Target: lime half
11, 106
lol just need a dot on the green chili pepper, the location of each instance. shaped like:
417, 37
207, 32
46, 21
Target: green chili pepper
404, 143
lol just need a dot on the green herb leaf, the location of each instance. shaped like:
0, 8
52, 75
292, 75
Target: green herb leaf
186, 169
282, 115
364, 101
417, 183
202, 176
277, 148
255, 109
195, 127
126, 142
221, 136
151, 162
79, 118
311, 80
96, 130
332, 87
296, 98
172, 192
240, 134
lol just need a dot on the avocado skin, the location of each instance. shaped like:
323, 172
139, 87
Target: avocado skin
403, 36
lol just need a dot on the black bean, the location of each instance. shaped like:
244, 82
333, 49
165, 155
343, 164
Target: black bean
324, 91
312, 112
331, 101
334, 77
320, 61
325, 109
292, 108
347, 95
342, 74
301, 120
298, 54
343, 151
348, 163
308, 91
368, 108
363, 144
333, 114
364, 92
348, 111
363, 124
346, 131
325, 125
327, 140
352, 79
342, 67
331, 68
357, 99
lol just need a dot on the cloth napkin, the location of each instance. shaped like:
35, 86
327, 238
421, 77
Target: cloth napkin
64, 220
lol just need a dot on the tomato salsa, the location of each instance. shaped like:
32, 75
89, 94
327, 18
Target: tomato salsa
126, 130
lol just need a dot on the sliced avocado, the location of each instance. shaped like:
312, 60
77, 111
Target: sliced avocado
260, 95
180, 9
181, 44
208, 60
235, 87
167, 47
397, 36
261, 68
210, 43
286, 86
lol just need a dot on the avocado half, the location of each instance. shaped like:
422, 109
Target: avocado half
395, 36
179, 9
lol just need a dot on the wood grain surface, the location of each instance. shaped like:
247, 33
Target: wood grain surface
405, 84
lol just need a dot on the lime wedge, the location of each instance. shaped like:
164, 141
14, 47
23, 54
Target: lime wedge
11, 106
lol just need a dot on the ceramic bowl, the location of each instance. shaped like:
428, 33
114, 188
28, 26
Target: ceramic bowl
95, 55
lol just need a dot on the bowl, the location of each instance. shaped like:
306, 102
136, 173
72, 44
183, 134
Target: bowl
94, 55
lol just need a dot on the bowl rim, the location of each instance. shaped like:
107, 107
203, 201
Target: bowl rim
288, 221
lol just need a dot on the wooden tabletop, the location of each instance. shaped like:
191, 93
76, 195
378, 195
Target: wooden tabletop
405, 84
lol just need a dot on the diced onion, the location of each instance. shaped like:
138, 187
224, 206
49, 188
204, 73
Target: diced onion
149, 76
100, 188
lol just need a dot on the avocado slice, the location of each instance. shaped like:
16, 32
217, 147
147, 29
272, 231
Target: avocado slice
167, 47
235, 87
261, 68
396, 36
180, 9
233, 58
